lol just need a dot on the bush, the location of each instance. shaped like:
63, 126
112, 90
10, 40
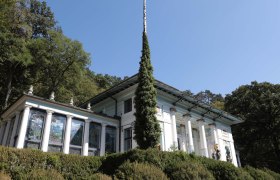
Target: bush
139, 171
4, 176
272, 173
151, 156
21, 162
189, 171
258, 174
99, 176
223, 170
42, 174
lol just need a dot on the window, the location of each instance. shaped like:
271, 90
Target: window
76, 138
94, 138
35, 128
127, 139
10, 131
57, 133
128, 105
2, 137
110, 144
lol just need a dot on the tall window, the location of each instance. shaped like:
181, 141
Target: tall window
128, 105
2, 137
94, 139
10, 131
57, 133
127, 139
110, 144
76, 139
35, 128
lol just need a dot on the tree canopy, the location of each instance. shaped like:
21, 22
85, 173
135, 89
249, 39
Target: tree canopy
34, 51
258, 138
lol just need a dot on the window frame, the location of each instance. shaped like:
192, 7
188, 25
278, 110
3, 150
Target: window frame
128, 139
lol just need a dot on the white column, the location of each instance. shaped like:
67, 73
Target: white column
214, 138
203, 142
23, 128
233, 153
174, 128
14, 129
103, 139
183, 140
67, 135
47, 129
86, 139
188, 125
4, 143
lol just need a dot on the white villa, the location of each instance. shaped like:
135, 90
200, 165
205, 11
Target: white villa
104, 124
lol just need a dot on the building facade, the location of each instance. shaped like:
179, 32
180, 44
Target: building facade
105, 124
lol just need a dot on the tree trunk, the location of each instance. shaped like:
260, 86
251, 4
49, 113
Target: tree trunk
9, 88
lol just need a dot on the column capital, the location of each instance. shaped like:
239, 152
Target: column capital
69, 116
17, 113
27, 106
104, 124
173, 109
50, 111
187, 115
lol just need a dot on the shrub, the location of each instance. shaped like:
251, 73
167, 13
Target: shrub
139, 171
258, 174
223, 170
4, 176
151, 156
188, 171
21, 162
42, 174
99, 176
272, 173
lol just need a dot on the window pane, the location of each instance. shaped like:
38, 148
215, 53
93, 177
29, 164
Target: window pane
127, 139
94, 135
57, 129
10, 131
35, 126
110, 145
128, 105
75, 151
53, 148
32, 145
77, 132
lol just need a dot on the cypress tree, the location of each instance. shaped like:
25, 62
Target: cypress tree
147, 129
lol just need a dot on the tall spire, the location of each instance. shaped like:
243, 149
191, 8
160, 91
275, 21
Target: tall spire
145, 16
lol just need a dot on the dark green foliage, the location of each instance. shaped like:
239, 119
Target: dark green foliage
188, 170
223, 170
147, 129
275, 175
19, 163
258, 138
151, 156
42, 174
258, 174
139, 171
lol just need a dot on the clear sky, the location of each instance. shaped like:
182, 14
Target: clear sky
195, 44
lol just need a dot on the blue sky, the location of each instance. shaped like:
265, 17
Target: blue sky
195, 44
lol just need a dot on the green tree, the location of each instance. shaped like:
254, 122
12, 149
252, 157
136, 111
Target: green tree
147, 129
258, 138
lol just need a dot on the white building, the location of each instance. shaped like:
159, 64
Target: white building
107, 125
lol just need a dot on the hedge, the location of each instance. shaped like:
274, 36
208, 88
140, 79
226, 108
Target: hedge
24, 163
18, 163
139, 171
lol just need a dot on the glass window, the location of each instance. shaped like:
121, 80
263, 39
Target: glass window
127, 139
35, 126
10, 131
57, 133
128, 105
110, 144
2, 137
95, 135
77, 132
